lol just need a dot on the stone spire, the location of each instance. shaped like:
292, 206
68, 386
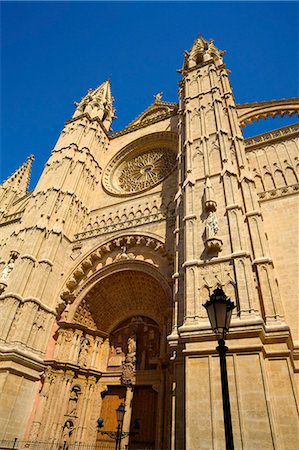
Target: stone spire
201, 52
19, 180
97, 104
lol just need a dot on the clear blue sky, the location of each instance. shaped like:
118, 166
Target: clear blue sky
52, 52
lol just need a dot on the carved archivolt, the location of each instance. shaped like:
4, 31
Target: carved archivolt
141, 165
116, 250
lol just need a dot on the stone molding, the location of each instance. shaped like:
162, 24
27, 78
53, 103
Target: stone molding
151, 218
117, 243
280, 192
34, 300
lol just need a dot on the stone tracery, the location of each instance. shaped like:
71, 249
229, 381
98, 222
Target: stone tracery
146, 170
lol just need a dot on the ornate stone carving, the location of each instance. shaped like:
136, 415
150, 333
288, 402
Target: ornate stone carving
146, 170
129, 365
84, 316
8, 267
84, 352
124, 255
73, 400
211, 229
141, 165
133, 240
68, 429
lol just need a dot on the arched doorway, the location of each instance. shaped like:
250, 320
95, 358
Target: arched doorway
135, 348
111, 346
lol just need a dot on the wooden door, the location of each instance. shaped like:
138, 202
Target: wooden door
111, 401
144, 408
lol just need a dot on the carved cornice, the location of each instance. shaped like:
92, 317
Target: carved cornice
280, 192
281, 134
249, 112
72, 369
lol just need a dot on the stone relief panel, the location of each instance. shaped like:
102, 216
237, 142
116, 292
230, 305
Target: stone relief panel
212, 276
77, 347
83, 315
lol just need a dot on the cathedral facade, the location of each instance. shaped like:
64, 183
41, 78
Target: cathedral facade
106, 264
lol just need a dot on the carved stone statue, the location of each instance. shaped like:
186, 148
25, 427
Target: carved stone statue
83, 353
132, 345
68, 429
124, 254
158, 97
74, 397
8, 268
211, 227
129, 364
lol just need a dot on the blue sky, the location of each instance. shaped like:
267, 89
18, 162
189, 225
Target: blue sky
52, 52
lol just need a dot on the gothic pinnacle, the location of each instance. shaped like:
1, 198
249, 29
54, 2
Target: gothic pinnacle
97, 103
202, 51
19, 180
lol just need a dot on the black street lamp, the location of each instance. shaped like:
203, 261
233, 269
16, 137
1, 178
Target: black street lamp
219, 308
120, 412
118, 435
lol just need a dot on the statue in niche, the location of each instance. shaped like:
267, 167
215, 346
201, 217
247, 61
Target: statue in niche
8, 267
73, 400
83, 353
68, 429
132, 345
129, 364
211, 226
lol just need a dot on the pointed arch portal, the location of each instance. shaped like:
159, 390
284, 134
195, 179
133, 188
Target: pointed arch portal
110, 348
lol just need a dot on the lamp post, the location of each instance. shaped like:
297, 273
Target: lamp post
118, 435
219, 308
120, 412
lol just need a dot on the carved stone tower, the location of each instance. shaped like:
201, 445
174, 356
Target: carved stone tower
106, 264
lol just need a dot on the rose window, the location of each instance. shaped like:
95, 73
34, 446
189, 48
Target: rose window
146, 170
141, 165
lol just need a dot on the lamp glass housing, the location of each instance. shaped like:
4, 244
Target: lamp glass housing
120, 412
219, 308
